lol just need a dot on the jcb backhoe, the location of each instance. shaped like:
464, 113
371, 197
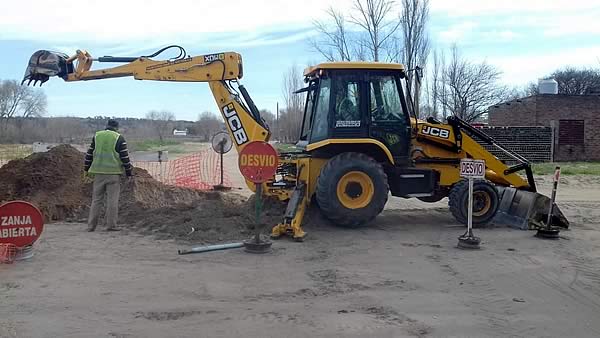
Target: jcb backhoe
360, 140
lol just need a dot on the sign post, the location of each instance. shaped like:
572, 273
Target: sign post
470, 169
550, 232
258, 163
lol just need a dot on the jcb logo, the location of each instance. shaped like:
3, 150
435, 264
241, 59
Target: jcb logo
434, 131
235, 124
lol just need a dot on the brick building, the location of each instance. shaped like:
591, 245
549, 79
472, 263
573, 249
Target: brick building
573, 118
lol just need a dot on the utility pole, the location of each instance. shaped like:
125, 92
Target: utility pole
277, 123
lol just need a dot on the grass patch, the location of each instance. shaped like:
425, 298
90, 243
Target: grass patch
171, 146
568, 168
173, 149
14, 151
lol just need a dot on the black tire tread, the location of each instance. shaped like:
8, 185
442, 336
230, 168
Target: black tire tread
454, 199
341, 216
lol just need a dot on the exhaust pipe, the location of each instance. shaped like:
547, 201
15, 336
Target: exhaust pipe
44, 64
526, 210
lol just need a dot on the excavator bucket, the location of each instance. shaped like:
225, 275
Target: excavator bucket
526, 210
44, 64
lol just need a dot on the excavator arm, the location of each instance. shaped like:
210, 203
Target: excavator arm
221, 70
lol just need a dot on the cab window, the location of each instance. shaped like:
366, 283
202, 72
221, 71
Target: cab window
320, 120
308, 112
347, 102
385, 99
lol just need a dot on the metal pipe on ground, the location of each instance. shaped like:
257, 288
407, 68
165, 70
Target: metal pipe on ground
208, 248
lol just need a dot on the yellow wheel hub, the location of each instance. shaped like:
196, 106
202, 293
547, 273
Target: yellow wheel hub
355, 190
482, 202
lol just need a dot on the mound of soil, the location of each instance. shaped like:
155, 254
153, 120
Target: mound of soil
53, 181
200, 217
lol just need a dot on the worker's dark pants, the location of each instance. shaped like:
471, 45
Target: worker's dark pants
108, 185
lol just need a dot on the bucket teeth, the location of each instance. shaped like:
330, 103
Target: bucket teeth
526, 210
44, 64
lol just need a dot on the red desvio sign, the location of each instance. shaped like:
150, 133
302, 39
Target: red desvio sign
258, 161
21, 223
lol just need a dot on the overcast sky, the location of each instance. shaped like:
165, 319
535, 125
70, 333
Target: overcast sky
526, 39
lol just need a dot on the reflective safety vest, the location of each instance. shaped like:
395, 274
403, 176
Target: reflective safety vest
106, 158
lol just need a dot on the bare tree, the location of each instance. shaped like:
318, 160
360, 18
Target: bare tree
161, 122
369, 42
435, 83
519, 92
66, 130
372, 17
292, 81
572, 81
335, 41
34, 104
378, 38
269, 117
435, 90
577, 81
432, 85
290, 120
20, 101
468, 89
414, 16
208, 124
531, 89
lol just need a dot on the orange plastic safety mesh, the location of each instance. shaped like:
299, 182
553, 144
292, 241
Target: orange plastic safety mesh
200, 171
8, 253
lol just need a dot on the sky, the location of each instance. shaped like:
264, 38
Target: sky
525, 39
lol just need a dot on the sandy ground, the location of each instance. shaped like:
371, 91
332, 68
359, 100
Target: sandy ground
402, 276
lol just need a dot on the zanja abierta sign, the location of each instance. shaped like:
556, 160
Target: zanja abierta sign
21, 223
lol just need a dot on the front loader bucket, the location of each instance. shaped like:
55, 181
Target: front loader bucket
526, 210
44, 64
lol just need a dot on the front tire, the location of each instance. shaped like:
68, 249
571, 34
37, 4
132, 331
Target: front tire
352, 189
485, 201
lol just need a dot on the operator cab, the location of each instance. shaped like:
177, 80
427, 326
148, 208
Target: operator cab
347, 101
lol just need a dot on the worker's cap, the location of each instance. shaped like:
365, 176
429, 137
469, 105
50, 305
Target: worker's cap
113, 124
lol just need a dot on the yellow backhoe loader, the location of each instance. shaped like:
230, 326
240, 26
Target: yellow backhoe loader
360, 140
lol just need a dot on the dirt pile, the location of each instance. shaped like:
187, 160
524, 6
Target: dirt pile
53, 181
213, 216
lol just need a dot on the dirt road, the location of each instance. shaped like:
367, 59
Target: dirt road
400, 277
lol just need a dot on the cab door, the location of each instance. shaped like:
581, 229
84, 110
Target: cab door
348, 104
389, 122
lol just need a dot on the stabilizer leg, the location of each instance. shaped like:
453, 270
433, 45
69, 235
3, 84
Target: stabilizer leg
294, 213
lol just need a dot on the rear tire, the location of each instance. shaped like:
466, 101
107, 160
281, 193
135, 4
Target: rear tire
352, 189
485, 201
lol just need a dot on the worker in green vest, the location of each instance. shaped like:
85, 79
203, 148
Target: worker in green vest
106, 161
